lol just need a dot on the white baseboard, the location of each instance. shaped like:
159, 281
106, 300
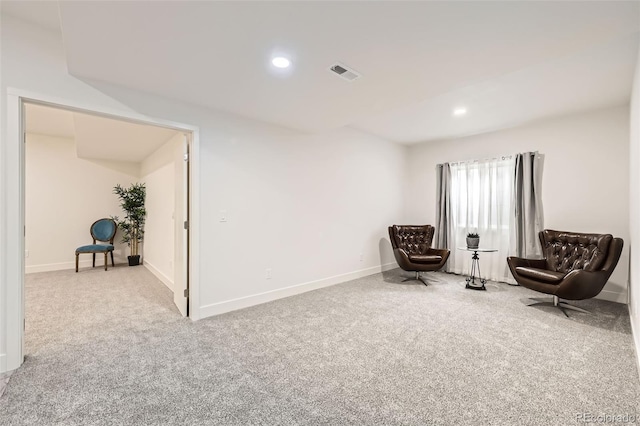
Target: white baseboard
48, 267
636, 340
159, 275
3, 363
269, 296
613, 296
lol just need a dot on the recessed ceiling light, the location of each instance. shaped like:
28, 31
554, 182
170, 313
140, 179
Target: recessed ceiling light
281, 62
459, 111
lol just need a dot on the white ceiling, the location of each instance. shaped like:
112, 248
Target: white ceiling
597, 77
507, 62
98, 138
49, 121
42, 13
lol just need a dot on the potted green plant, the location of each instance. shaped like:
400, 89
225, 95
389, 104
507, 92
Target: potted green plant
132, 225
473, 240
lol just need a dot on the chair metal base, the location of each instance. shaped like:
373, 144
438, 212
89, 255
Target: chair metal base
418, 277
557, 303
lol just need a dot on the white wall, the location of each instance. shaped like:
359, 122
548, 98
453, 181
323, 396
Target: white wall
305, 206
159, 175
585, 177
634, 201
64, 196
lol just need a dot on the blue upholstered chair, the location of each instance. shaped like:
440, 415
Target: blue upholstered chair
103, 230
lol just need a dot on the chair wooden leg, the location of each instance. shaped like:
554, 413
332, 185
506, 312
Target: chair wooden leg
77, 254
94, 259
112, 264
105, 261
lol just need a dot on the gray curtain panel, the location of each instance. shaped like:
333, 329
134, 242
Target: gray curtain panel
529, 219
442, 237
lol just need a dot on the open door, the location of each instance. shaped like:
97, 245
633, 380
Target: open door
181, 253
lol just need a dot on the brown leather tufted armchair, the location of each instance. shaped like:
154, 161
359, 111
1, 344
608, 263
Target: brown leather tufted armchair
575, 266
412, 249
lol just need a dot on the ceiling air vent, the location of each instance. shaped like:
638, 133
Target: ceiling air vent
344, 72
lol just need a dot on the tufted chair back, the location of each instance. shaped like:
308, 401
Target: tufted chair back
413, 239
568, 251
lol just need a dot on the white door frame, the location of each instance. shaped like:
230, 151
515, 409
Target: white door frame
12, 219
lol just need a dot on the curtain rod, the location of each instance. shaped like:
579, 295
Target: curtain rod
503, 157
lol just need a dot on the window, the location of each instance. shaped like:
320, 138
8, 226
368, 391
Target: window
481, 201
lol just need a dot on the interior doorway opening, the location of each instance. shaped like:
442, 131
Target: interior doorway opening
15, 215
73, 161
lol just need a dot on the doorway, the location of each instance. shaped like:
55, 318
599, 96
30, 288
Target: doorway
15, 189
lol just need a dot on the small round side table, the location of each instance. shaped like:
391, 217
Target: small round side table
475, 266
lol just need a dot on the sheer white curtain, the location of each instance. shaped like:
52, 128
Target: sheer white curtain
481, 201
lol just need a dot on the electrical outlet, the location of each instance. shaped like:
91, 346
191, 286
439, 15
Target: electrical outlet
223, 215
26, 253
361, 257
267, 273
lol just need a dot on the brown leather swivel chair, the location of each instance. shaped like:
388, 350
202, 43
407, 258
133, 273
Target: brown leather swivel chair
575, 266
412, 249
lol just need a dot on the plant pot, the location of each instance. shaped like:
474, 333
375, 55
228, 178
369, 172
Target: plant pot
134, 260
473, 243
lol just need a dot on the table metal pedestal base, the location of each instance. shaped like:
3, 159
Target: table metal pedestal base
471, 280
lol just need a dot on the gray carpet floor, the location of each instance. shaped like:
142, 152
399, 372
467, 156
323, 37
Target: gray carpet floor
110, 348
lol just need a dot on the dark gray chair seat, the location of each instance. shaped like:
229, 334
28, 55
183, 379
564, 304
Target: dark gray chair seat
545, 275
425, 258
